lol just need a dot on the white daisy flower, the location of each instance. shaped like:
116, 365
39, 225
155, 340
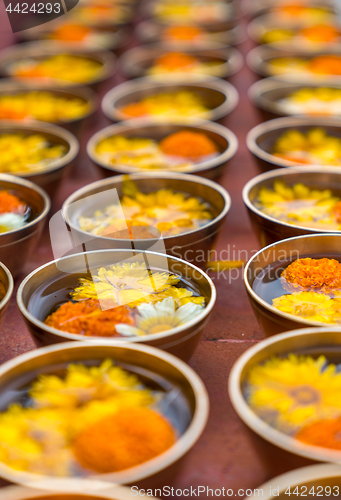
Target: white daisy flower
160, 317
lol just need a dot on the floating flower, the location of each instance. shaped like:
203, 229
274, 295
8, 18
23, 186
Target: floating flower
295, 390
160, 317
127, 283
311, 306
188, 144
300, 205
311, 100
323, 275
324, 433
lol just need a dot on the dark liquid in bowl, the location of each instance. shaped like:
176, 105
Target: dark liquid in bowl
267, 284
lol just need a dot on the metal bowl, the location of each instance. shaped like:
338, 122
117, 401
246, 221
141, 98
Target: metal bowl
23, 493
222, 136
152, 30
115, 34
308, 341
17, 245
268, 229
7, 280
265, 94
50, 178
160, 369
181, 341
10, 87
312, 478
135, 62
265, 23
258, 60
261, 139
272, 320
261, 7
193, 246
221, 97
40, 50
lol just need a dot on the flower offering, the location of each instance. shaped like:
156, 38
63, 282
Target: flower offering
301, 206
322, 66
126, 300
62, 67
304, 13
312, 101
14, 213
307, 288
178, 63
300, 396
20, 153
41, 105
316, 34
184, 103
177, 151
314, 147
85, 420
197, 12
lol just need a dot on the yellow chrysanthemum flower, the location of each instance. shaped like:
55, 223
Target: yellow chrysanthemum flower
294, 391
311, 306
132, 284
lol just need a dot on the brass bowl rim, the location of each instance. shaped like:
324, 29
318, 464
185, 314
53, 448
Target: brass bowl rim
10, 288
232, 57
44, 128
12, 87
259, 426
144, 83
279, 172
34, 187
259, 88
182, 445
298, 477
266, 305
117, 340
129, 125
195, 179
47, 48
283, 123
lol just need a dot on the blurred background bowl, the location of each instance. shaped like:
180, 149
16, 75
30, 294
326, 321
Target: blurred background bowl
270, 319
256, 8
17, 245
181, 341
142, 128
268, 229
6, 280
135, 62
262, 138
258, 60
312, 478
42, 49
10, 87
267, 93
219, 96
269, 441
23, 493
151, 31
50, 178
262, 25
159, 369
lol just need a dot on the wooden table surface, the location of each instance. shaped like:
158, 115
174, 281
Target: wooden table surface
224, 455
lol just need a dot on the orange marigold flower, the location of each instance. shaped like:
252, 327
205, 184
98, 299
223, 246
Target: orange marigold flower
11, 203
135, 109
87, 318
325, 65
313, 274
183, 32
337, 212
324, 433
188, 144
125, 439
175, 60
71, 32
